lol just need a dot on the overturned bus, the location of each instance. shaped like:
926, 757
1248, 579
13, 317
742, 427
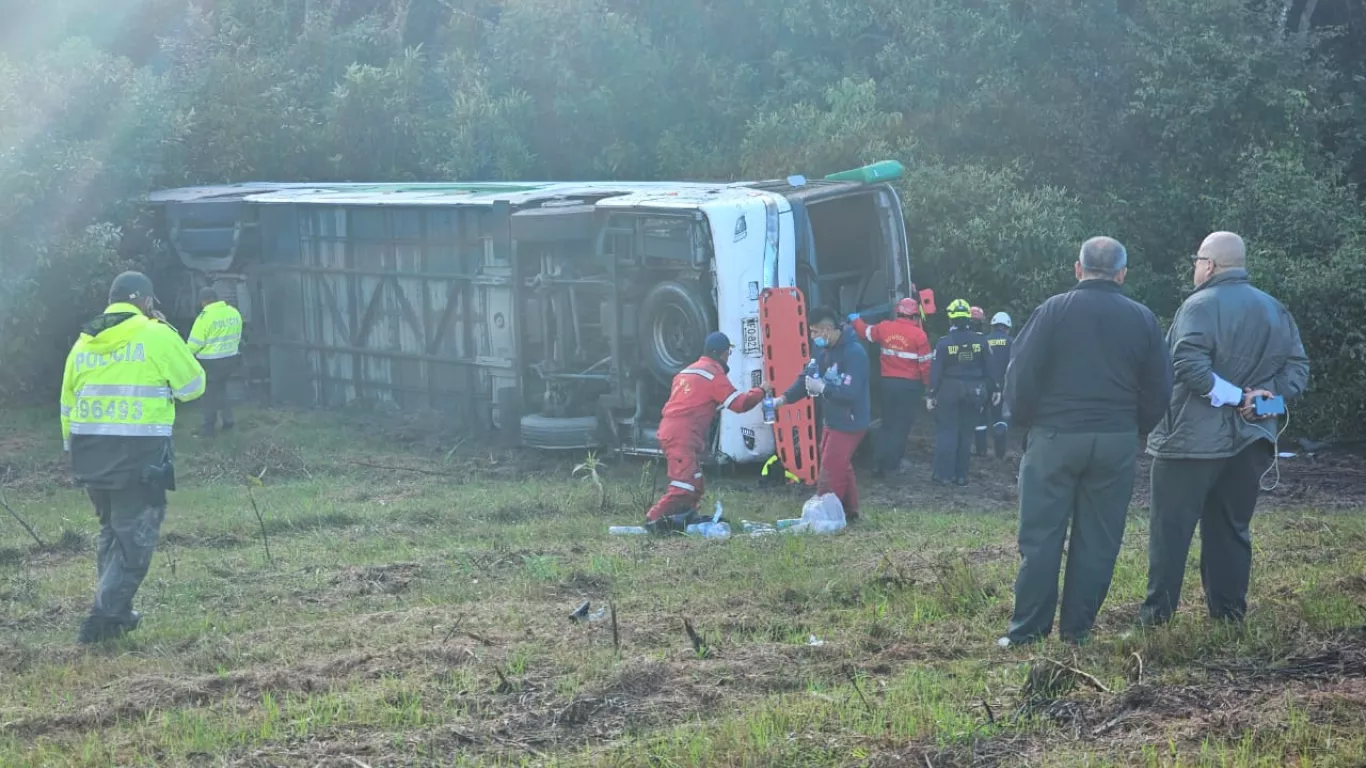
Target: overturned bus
552, 314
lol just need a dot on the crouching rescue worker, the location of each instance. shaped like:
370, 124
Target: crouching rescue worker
843, 384
998, 359
215, 340
960, 384
122, 380
905, 353
699, 392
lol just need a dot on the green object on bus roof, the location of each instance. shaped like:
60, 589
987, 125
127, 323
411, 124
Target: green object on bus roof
886, 170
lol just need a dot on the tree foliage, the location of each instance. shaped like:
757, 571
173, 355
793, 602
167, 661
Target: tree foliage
1025, 125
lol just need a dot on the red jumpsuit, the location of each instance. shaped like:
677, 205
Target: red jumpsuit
699, 391
905, 348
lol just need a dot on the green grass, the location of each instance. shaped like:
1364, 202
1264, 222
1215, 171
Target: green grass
407, 618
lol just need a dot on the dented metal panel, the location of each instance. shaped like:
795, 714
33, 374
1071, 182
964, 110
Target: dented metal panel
409, 306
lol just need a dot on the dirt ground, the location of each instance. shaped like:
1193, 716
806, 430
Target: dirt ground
1328, 481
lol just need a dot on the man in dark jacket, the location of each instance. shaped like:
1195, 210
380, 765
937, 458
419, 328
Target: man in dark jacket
1088, 374
843, 385
960, 385
1230, 344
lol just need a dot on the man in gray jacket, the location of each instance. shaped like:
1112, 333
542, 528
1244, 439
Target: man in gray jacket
1230, 344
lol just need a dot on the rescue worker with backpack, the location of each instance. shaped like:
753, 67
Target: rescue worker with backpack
960, 385
905, 355
994, 418
123, 377
215, 341
699, 392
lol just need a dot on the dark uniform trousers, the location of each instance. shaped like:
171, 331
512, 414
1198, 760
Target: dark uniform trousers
1083, 481
959, 406
130, 524
217, 373
992, 423
1219, 496
900, 399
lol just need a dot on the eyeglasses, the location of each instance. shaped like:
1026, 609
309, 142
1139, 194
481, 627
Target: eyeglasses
1197, 258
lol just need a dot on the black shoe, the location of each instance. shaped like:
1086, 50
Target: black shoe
940, 481
97, 629
961, 482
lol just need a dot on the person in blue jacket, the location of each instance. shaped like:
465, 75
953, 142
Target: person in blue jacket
960, 384
842, 383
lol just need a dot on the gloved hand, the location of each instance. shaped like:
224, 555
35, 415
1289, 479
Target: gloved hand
995, 398
929, 403
815, 386
853, 316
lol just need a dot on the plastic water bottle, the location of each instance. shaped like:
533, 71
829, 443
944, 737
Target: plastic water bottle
770, 411
749, 526
832, 375
813, 369
710, 530
788, 523
716, 516
627, 530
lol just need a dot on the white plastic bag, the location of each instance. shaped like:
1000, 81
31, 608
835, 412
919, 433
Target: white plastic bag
821, 514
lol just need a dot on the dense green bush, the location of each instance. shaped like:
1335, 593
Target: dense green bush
1026, 126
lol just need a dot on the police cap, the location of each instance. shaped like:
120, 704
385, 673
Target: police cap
130, 287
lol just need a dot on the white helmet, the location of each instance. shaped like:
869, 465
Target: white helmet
1001, 318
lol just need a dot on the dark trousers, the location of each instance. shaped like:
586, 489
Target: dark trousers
217, 373
836, 473
900, 400
992, 423
959, 403
1219, 496
130, 525
1082, 481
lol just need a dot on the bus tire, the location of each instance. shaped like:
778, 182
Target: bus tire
674, 321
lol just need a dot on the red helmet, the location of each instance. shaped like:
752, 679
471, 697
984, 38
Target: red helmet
908, 307
978, 314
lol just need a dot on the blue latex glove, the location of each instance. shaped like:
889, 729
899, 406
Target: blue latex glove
854, 316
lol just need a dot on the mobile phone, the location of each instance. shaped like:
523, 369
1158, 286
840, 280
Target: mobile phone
1269, 406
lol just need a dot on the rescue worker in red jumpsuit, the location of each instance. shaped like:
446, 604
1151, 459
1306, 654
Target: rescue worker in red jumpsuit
906, 358
699, 392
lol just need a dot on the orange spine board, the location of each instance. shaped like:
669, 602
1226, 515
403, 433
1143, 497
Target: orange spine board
782, 313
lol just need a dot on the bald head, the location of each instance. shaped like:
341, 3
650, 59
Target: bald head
1102, 258
1225, 250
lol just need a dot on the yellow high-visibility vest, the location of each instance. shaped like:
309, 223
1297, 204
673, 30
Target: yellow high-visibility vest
124, 381
217, 332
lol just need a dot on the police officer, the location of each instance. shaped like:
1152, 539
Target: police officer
215, 340
122, 380
998, 358
699, 392
905, 353
960, 384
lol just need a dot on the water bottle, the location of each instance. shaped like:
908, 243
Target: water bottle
812, 369
749, 526
788, 523
627, 530
832, 375
710, 530
716, 517
770, 411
